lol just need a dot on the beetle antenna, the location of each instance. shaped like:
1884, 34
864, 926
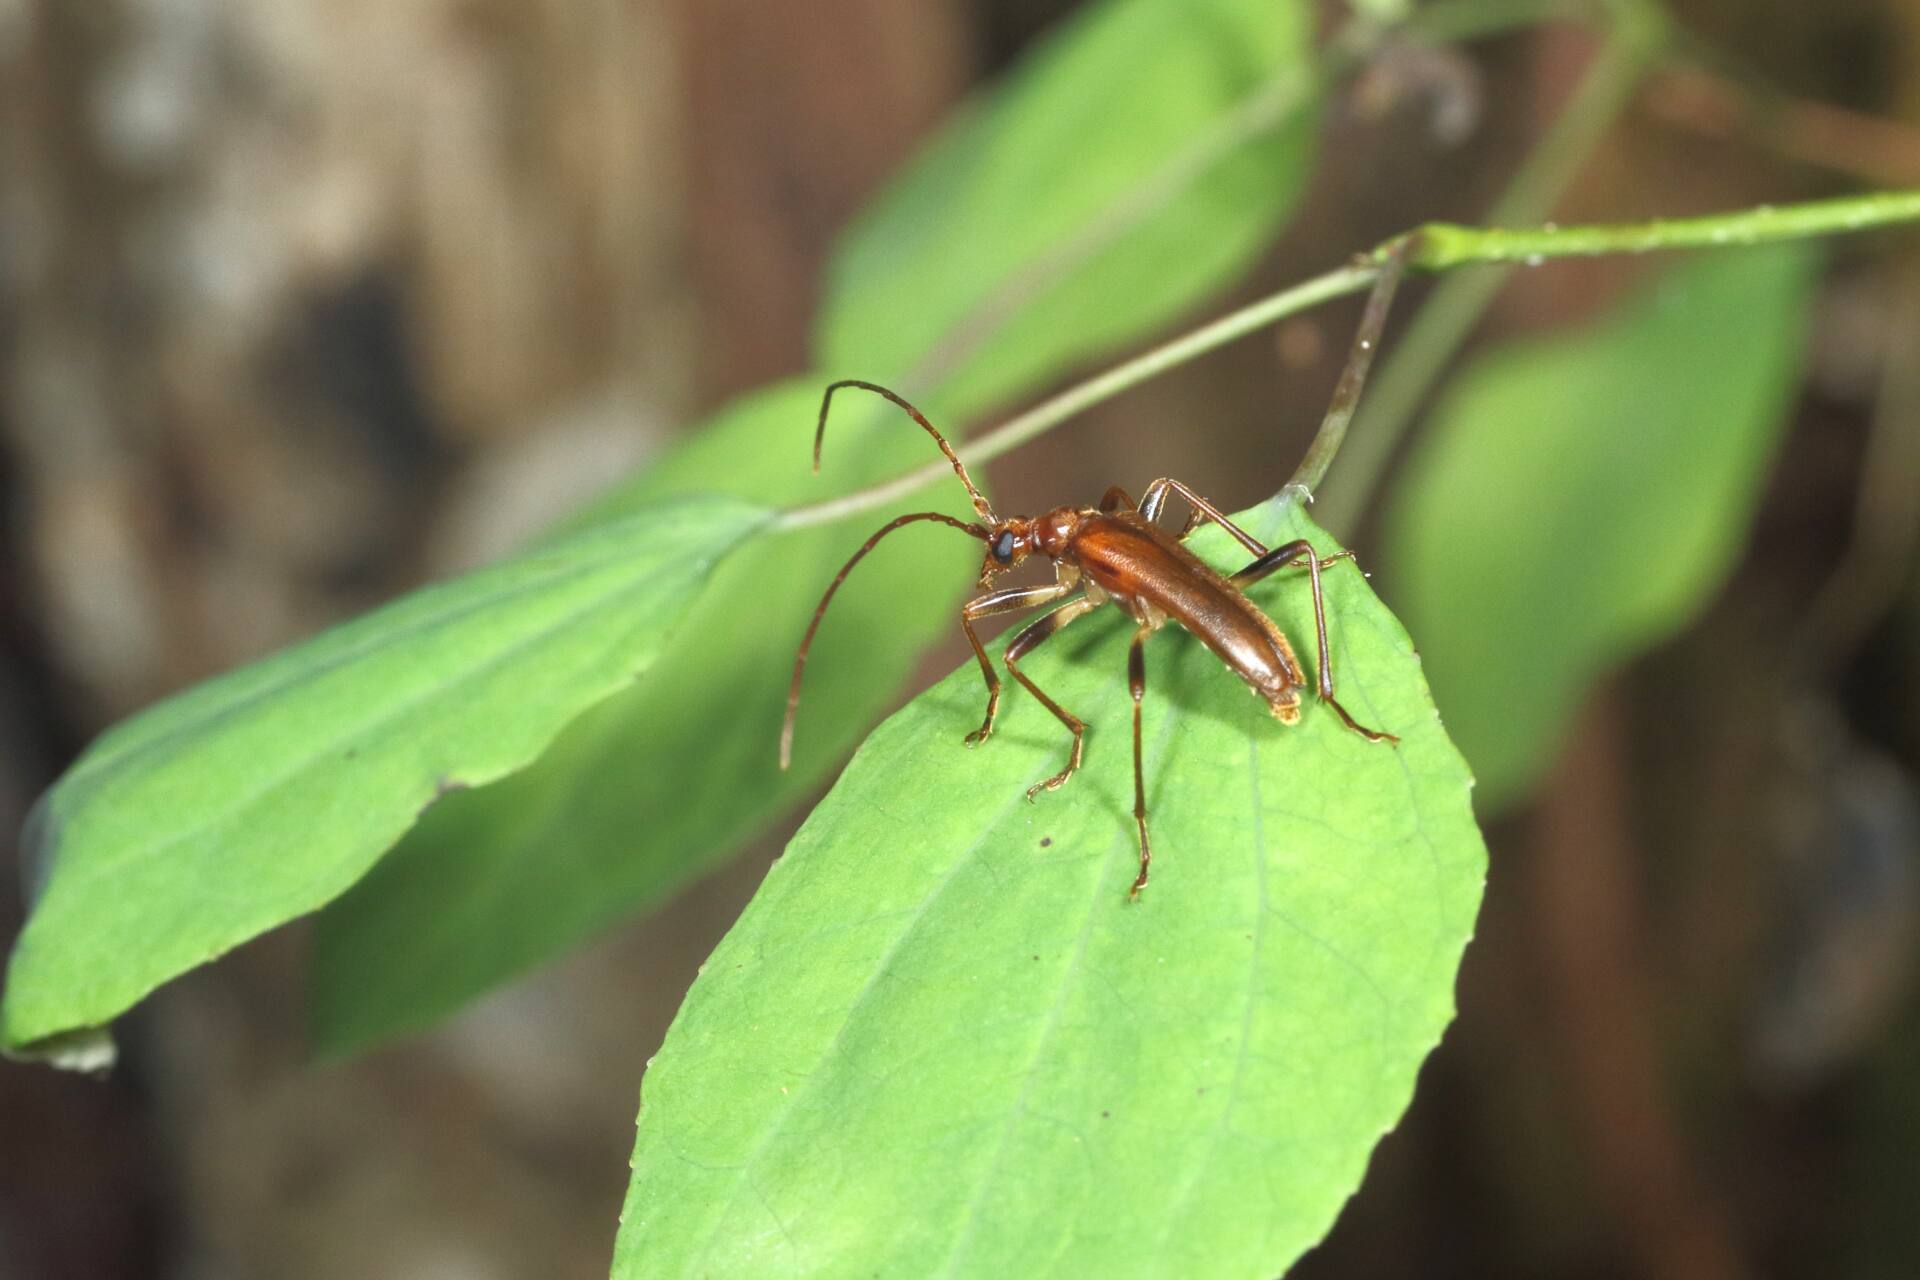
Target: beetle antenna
800, 659
959, 468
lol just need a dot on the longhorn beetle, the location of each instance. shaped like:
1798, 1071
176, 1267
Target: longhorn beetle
1117, 551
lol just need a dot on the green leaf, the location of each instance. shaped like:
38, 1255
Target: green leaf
1579, 498
940, 1040
651, 789
258, 796
1134, 163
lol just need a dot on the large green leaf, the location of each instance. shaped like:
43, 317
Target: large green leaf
1133, 164
1579, 497
942, 1041
1136, 115
648, 790
256, 797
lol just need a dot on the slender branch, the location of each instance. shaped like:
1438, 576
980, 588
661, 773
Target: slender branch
1443, 245
1050, 413
1437, 246
1270, 107
1394, 257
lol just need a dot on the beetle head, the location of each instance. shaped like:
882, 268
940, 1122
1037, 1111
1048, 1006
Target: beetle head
1008, 543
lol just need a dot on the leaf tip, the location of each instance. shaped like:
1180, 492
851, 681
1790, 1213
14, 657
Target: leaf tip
86, 1050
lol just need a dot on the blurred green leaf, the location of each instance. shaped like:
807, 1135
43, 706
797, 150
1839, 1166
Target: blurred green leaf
651, 789
941, 1041
1579, 498
256, 797
1134, 163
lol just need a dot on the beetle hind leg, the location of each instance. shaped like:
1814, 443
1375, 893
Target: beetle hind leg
1300, 550
1137, 686
1371, 735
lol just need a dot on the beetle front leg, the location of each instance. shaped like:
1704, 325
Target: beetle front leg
1011, 600
1023, 644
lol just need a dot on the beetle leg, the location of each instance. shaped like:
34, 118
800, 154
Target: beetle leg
1137, 685
1023, 644
1155, 498
1280, 558
1115, 499
1010, 600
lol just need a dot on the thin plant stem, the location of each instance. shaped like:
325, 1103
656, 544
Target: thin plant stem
1272, 107
1346, 393
1051, 413
1443, 245
1434, 247
1269, 108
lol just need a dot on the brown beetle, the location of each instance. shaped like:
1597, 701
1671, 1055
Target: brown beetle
1115, 551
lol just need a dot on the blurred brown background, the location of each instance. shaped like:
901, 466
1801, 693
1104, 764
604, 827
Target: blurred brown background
304, 303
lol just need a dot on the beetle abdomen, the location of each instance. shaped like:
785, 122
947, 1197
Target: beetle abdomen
1148, 572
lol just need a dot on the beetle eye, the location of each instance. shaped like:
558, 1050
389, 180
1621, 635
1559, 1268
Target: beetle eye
1003, 547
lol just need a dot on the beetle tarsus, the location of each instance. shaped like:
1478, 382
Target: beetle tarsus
1146, 857
1371, 735
1058, 780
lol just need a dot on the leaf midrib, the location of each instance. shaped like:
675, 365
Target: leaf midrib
377, 639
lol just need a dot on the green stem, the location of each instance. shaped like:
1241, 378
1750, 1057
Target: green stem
1440, 22
1436, 247
1392, 260
1050, 413
1442, 245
